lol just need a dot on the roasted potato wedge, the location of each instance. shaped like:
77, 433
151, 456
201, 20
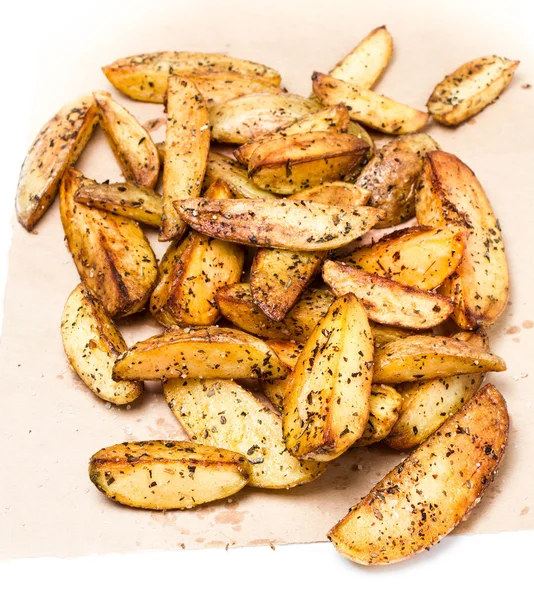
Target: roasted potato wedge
326, 405
289, 164
427, 357
125, 199
187, 145
165, 475
450, 194
363, 66
469, 89
430, 492
132, 145
383, 334
428, 404
92, 343
384, 408
248, 117
288, 353
278, 222
57, 146
224, 414
391, 176
331, 118
202, 353
218, 88
369, 108
112, 255
422, 257
387, 301
145, 76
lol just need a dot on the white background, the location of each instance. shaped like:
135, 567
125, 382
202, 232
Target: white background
486, 565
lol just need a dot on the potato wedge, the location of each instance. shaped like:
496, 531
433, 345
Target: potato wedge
331, 118
92, 343
450, 194
326, 405
165, 475
428, 404
369, 108
236, 304
218, 88
384, 408
125, 199
224, 414
112, 255
428, 494
364, 65
145, 76
57, 146
296, 162
422, 257
357, 130
383, 334
202, 353
248, 117
387, 301
132, 145
469, 89
427, 357
187, 145
288, 353
392, 175
278, 222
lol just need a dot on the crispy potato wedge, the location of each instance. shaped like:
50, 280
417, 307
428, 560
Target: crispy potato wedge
218, 88
278, 222
92, 343
391, 176
112, 255
363, 66
224, 414
331, 118
145, 76
132, 145
248, 117
288, 353
384, 408
383, 334
187, 145
369, 108
165, 475
296, 162
57, 146
422, 257
450, 194
387, 301
469, 89
125, 199
326, 405
427, 357
202, 353
428, 494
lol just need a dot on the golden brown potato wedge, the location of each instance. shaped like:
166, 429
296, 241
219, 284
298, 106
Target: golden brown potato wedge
125, 199
218, 88
165, 475
145, 76
286, 165
427, 357
430, 492
326, 405
288, 353
132, 145
278, 222
203, 353
383, 334
357, 130
422, 257
368, 107
248, 117
384, 408
112, 255
470, 88
387, 301
57, 146
450, 194
364, 65
224, 414
391, 176
92, 343
187, 145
